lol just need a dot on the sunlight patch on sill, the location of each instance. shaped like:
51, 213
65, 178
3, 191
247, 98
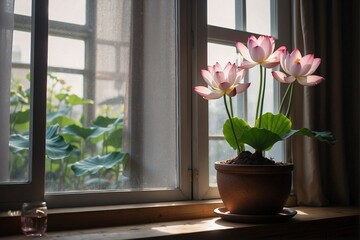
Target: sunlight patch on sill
302, 213
205, 225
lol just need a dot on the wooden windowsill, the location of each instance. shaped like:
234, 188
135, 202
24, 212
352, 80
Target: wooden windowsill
316, 222
110, 216
310, 222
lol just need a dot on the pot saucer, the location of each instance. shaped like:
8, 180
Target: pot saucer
285, 214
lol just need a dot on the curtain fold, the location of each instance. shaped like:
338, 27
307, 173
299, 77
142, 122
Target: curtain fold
324, 174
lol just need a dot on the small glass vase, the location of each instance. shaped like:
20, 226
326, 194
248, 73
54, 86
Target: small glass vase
34, 219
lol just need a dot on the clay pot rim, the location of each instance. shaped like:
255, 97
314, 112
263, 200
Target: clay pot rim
223, 167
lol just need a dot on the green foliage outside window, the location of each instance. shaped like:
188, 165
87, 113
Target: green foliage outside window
78, 157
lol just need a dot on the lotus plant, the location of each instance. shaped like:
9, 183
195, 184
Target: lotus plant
222, 83
268, 128
298, 68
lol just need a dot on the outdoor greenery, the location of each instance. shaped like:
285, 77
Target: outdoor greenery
81, 154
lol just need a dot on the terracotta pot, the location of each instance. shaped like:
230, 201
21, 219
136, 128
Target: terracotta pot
254, 189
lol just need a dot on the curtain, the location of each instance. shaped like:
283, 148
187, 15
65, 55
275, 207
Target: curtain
328, 174
150, 126
6, 36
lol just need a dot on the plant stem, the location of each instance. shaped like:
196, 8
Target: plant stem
231, 107
262, 96
259, 95
290, 99
231, 123
284, 97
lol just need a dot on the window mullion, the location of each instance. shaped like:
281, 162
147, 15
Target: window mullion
38, 97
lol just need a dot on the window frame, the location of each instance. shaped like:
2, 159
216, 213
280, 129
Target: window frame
16, 193
34, 190
192, 114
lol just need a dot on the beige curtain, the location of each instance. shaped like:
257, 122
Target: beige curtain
326, 174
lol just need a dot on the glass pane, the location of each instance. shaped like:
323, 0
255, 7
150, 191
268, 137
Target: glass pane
68, 11
252, 93
22, 7
218, 147
15, 102
218, 150
21, 47
110, 107
221, 54
221, 13
66, 52
258, 16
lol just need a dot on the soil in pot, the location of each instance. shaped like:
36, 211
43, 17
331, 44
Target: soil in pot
249, 158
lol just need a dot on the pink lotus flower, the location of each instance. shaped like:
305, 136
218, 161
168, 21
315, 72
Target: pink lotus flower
299, 68
259, 51
221, 81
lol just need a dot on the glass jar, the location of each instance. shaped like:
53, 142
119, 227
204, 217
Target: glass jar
34, 219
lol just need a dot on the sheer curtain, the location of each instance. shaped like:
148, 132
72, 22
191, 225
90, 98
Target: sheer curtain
6, 36
150, 127
328, 174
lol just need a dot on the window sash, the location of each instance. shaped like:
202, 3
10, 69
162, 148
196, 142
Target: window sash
34, 190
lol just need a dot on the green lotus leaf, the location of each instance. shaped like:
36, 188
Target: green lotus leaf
278, 124
102, 121
61, 96
240, 126
274, 128
260, 139
78, 131
325, 136
74, 99
60, 118
94, 164
56, 147
104, 125
21, 120
115, 138
18, 142
51, 116
21, 117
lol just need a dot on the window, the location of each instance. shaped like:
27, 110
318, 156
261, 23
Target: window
118, 77
227, 23
110, 109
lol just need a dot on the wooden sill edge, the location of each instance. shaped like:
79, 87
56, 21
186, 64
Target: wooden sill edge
64, 219
309, 220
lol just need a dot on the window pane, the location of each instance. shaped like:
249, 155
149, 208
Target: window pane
65, 52
252, 93
258, 16
218, 147
221, 13
21, 47
15, 72
69, 11
222, 54
109, 106
22, 7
